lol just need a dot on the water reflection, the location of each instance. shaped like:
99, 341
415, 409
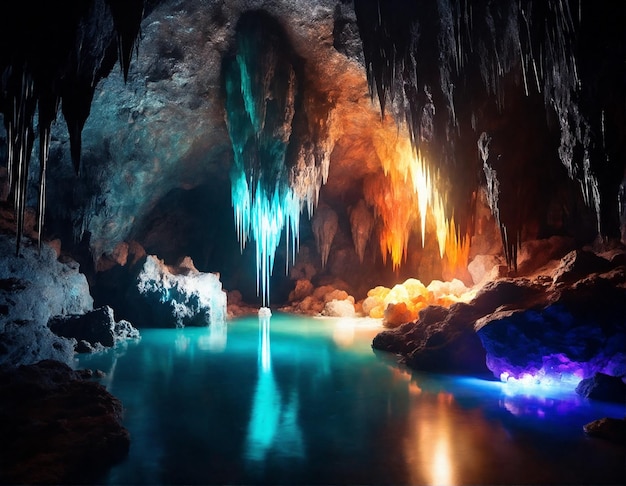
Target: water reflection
306, 401
273, 424
216, 339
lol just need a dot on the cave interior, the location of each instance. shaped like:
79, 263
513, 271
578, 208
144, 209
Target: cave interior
348, 146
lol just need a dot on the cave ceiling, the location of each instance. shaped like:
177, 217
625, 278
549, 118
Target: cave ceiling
509, 104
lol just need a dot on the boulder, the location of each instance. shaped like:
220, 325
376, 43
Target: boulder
562, 326
603, 387
178, 296
611, 429
62, 429
97, 326
578, 264
441, 340
339, 308
576, 332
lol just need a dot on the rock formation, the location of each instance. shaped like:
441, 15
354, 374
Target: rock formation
558, 327
62, 427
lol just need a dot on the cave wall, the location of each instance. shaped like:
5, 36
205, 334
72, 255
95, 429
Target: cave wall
156, 154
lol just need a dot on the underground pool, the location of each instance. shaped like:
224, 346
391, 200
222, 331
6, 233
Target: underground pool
298, 400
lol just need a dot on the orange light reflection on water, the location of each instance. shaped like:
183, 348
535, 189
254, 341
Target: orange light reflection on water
441, 445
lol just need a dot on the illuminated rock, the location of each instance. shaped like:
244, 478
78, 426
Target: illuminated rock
396, 314
530, 330
33, 288
484, 268
180, 296
562, 333
339, 308
326, 300
415, 296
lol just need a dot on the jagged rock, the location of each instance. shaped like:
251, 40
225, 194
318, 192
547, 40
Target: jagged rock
35, 286
574, 333
97, 326
535, 255
578, 264
603, 387
568, 333
61, 428
441, 340
180, 295
527, 327
608, 428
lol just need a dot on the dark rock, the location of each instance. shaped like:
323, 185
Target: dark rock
603, 387
528, 327
97, 326
611, 429
508, 293
12, 284
578, 264
442, 340
83, 346
578, 331
60, 428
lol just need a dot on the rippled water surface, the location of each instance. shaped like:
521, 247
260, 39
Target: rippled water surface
294, 400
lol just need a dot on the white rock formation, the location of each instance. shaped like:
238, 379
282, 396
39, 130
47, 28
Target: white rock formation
192, 297
34, 287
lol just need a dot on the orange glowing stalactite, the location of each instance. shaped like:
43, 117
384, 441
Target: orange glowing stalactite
405, 196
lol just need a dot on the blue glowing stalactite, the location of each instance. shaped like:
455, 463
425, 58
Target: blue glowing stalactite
261, 100
264, 216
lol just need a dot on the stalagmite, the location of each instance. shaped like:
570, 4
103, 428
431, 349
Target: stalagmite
325, 223
362, 223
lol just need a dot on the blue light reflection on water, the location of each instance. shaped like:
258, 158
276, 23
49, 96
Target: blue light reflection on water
300, 400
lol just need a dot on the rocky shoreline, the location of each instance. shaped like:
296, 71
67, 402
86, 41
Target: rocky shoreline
62, 427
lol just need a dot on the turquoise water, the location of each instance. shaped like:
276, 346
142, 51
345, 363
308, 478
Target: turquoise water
295, 400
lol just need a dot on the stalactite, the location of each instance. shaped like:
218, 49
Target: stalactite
280, 133
324, 224
425, 57
361, 224
55, 53
127, 16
